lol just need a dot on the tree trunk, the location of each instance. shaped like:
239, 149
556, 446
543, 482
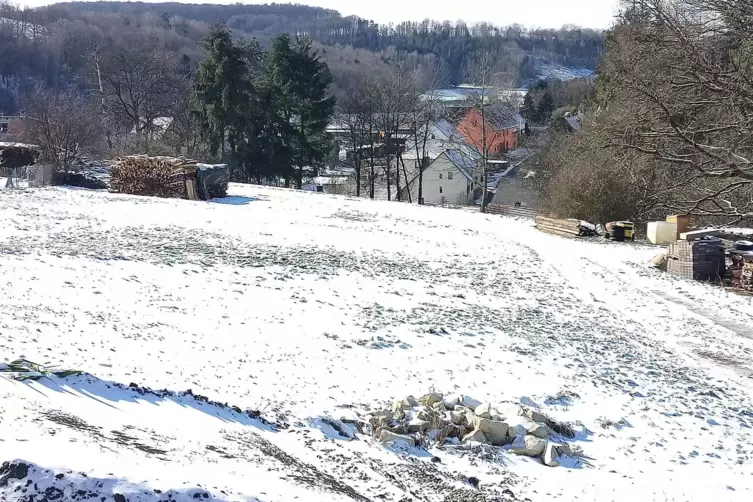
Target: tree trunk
421, 181
371, 180
407, 183
397, 178
108, 133
484, 157
358, 175
387, 171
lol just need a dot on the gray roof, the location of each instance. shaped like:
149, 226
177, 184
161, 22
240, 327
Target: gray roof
574, 122
465, 163
503, 117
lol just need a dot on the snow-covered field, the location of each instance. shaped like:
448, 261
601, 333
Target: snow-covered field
304, 307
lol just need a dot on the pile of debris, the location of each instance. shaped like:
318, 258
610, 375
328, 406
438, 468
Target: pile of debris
741, 270
565, 228
171, 177
433, 419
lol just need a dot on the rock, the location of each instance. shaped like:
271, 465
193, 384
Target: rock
476, 436
439, 406
550, 455
484, 410
390, 437
418, 425
474, 482
540, 431
451, 401
536, 416
507, 411
436, 460
564, 449
458, 417
519, 425
469, 402
425, 414
404, 404
528, 445
462, 408
430, 399
381, 419
495, 432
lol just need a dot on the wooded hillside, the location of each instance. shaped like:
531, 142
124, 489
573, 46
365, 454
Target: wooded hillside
55, 45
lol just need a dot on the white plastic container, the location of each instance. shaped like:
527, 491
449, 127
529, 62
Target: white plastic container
661, 232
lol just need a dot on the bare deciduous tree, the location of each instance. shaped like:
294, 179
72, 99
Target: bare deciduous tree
64, 124
355, 114
680, 73
140, 87
395, 97
490, 88
426, 111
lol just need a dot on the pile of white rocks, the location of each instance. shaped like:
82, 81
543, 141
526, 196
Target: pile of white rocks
434, 419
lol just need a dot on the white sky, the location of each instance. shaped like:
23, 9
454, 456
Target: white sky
531, 13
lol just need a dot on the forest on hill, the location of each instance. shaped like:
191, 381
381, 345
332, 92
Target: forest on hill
59, 45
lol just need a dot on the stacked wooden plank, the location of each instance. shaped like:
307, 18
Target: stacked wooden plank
509, 210
153, 176
698, 260
565, 228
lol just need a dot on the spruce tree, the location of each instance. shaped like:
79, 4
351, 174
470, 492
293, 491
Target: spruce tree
546, 107
295, 70
224, 90
529, 107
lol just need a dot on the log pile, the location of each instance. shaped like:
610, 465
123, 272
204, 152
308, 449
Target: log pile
565, 228
152, 176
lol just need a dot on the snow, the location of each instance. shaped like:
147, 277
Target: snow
306, 306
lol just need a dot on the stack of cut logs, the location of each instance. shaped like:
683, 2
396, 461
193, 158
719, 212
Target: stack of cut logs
153, 176
565, 228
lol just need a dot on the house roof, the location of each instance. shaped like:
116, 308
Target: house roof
574, 122
465, 163
503, 117
442, 137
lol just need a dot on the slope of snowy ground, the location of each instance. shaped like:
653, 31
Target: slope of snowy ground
294, 307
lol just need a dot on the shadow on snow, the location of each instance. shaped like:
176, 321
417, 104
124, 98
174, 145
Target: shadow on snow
111, 393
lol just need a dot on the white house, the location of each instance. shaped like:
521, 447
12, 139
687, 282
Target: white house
451, 178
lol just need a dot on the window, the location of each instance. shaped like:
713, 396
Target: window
440, 189
449, 176
440, 176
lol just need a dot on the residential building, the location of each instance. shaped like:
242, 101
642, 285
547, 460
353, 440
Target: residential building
160, 126
447, 179
439, 136
503, 127
11, 127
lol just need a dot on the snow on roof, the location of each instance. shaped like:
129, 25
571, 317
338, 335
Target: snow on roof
465, 163
11, 144
504, 117
574, 122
